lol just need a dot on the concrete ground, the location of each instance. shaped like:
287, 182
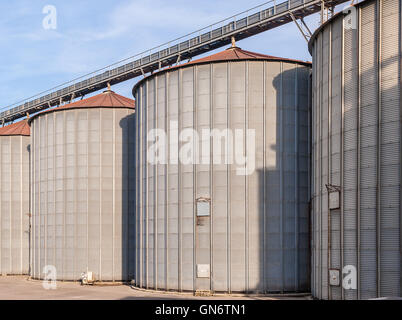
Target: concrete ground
21, 288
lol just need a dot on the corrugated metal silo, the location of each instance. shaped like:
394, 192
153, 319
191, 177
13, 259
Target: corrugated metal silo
200, 225
357, 153
82, 183
14, 199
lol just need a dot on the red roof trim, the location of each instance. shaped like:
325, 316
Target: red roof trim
107, 99
16, 129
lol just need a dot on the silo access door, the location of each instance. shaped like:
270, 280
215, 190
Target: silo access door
203, 246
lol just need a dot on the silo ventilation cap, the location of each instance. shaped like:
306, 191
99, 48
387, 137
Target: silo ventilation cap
108, 90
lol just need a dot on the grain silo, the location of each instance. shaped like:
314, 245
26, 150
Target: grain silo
356, 176
201, 225
81, 185
14, 199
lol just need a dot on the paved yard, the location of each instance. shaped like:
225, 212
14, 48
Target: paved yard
21, 288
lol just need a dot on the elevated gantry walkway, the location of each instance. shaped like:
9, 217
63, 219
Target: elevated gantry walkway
241, 26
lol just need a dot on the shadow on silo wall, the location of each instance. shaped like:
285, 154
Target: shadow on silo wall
367, 169
283, 188
128, 193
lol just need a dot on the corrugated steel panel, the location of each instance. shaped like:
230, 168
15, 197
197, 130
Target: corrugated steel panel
81, 200
371, 132
368, 152
14, 200
252, 240
390, 262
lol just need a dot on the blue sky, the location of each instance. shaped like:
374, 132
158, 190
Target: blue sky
92, 34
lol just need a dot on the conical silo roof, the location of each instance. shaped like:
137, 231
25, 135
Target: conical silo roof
106, 99
20, 128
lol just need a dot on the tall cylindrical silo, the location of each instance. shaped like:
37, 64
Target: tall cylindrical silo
356, 176
202, 224
82, 182
14, 199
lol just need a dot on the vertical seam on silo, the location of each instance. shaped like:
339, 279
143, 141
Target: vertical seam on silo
167, 127
321, 112
36, 257
310, 177
281, 175
296, 177
126, 213
228, 188
114, 191
88, 181
358, 178
146, 212
54, 189
400, 144
100, 193
179, 180
30, 209
133, 203
10, 204
1, 211
39, 189
211, 175
264, 117
156, 190
379, 96
312, 205
132, 134
31, 202
47, 187
75, 188
195, 175
342, 149
138, 188
138, 177
32, 243
41, 183
316, 180
246, 178
21, 203
142, 186
329, 146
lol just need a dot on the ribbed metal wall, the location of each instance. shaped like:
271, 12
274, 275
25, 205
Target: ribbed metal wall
14, 205
256, 237
356, 145
82, 182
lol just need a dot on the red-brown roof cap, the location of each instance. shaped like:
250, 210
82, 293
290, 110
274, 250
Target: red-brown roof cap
106, 99
230, 54
20, 128
236, 53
